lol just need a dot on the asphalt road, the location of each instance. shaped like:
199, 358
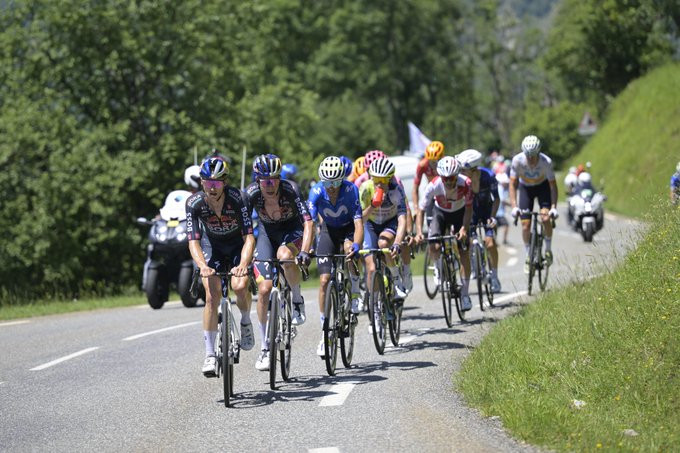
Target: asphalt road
129, 379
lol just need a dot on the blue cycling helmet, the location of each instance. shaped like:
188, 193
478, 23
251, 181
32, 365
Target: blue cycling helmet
288, 171
214, 168
267, 166
348, 164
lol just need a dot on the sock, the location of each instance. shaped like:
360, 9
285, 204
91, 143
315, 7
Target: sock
407, 269
466, 286
526, 249
493, 272
209, 337
354, 279
295, 289
245, 317
548, 243
263, 335
322, 318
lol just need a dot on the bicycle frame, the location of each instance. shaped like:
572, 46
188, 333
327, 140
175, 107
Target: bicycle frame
449, 288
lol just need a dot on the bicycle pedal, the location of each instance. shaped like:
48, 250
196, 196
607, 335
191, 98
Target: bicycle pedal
293, 333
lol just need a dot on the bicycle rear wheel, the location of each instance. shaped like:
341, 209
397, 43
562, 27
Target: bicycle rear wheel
286, 346
272, 334
487, 279
532, 262
348, 327
225, 346
376, 312
479, 273
543, 269
330, 324
395, 324
431, 287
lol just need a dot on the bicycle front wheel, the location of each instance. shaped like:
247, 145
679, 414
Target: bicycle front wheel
330, 324
543, 269
532, 262
431, 287
479, 273
446, 291
347, 329
286, 346
487, 279
376, 312
395, 323
272, 334
225, 345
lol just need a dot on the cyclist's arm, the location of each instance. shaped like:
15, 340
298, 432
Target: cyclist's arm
419, 222
496, 198
358, 232
409, 219
197, 255
495, 206
307, 235
553, 193
513, 191
401, 229
467, 218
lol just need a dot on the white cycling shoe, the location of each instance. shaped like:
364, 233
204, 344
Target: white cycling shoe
299, 316
247, 337
210, 366
262, 363
495, 285
466, 302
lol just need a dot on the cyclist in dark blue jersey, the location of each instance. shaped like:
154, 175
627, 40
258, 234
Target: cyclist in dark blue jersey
285, 232
335, 202
484, 205
675, 185
220, 236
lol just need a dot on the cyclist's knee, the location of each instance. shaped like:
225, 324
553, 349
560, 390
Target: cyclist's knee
324, 279
265, 286
384, 242
284, 253
239, 284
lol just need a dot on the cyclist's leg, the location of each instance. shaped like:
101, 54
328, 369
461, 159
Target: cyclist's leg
526, 204
455, 220
324, 247
289, 246
385, 240
346, 237
370, 242
436, 228
213, 295
263, 277
544, 204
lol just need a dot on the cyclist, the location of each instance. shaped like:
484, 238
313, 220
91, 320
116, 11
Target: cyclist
675, 185
357, 169
383, 205
428, 167
452, 195
532, 171
336, 203
503, 188
289, 172
218, 242
484, 205
285, 233
347, 164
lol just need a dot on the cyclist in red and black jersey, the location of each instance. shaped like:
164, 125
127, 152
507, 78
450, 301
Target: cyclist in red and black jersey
285, 233
219, 242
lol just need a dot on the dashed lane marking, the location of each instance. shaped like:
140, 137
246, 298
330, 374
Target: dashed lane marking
324, 450
63, 359
13, 323
153, 332
511, 250
340, 393
512, 261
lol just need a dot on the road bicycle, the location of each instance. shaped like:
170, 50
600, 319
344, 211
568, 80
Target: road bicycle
280, 329
339, 322
449, 264
384, 308
228, 348
481, 264
537, 262
430, 276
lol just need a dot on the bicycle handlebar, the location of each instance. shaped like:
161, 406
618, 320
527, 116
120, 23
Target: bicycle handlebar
533, 213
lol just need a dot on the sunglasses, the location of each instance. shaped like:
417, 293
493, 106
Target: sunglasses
333, 184
213, 183
269, 181
381, 180
449, 178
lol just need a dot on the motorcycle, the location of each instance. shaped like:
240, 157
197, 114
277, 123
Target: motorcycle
168, 261
586, 212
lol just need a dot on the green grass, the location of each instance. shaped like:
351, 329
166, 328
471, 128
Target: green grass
636, 149
613, 343
51, 307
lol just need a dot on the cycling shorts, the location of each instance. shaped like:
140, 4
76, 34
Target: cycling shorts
331, 241
268, 242
372, 231
221, 255
442, 221
527, 195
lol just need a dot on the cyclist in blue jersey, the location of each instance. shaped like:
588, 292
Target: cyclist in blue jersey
675, 185
347, 164
484, 205
335, 202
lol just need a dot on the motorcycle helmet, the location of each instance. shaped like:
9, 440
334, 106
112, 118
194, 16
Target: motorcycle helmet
584, 178
192, 177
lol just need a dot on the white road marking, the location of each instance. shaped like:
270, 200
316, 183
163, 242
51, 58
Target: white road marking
63, 359
179, 326
512, 261
13, 323
324, 450
511, 250
509, 296
407, 339
170, 302
340, 393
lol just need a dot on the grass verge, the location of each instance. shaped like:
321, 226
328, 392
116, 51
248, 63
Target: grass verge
611, 343
51, 307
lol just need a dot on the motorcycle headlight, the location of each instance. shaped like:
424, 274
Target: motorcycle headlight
162, 237
179, 229
181, 237
162, 229
588, 207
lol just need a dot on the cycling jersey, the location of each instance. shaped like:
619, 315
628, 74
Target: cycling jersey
487, 192
532, 176
291, 206
393, 205
447, 200
675, 182
346, 209
424, 168
233, 222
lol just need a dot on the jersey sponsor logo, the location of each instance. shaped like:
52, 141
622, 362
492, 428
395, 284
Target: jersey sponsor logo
323, 260
328, 212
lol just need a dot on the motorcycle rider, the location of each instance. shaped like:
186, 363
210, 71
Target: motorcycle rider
532, 172
286, 230
220, 236
192, 178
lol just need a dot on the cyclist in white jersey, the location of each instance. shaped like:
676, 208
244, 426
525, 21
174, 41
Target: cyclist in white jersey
532, 172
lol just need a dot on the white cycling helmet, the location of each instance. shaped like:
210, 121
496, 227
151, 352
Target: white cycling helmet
331, 169
531, 145
570, 180
192, 176
381, 167
448, 166
470, 158
584, 178
677, 167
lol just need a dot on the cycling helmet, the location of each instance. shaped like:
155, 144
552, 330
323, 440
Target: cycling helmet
470, 158
434, 151
267, 165
448, 167
371, 156
359, 168
677, 167
288, 171
531, 145
381, 168
347, 163
214, 168
331, 169
585, 178
192, 176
